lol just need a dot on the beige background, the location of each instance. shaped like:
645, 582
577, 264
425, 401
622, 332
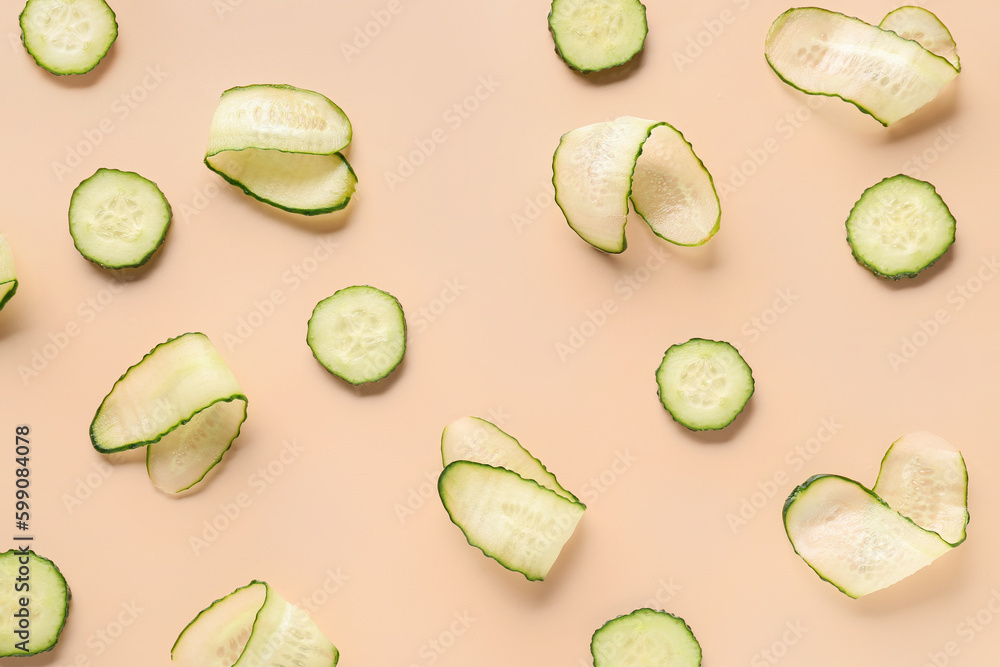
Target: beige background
493, 281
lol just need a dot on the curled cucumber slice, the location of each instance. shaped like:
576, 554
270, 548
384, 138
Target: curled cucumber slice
34, 603
827, 53
645, 637
8, 277
924, 28
253, 627
182, 401
68, 36
281, 145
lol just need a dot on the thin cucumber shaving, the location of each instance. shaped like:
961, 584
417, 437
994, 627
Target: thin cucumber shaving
924, 28
253, 627
281, 145
598, 168
68, 36
704, 384
8, 277
182, 402
862, 542
899, 227
358, 334
592, 35
118, 219
646, 637
826, 53
34, 603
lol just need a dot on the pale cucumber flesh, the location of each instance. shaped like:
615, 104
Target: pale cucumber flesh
8, 277
68, 36
47, 596
645, 637
924, 28
592, 35
704, 384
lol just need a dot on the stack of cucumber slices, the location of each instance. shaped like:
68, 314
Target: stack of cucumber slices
862, 540
281, 145
8, 277
34, 603
182, 403
253, 627
598, 168
888, 71
645, 637
506, 502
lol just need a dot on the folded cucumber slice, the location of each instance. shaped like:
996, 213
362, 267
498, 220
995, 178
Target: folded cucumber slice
253, 627
358, 334
597, 168
68, 36
182, 400
899, 227
475, 439
118, 219
515, 521
47, 596
924, 478
924, 28
8, 277
281, 145
592, 35
827, 53
645, 637
704, 384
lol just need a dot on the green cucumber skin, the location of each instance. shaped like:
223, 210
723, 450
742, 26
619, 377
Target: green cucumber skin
112, 450
69, 597
706, 428
593, 654
9, 295
206, 609
645, 33
114, 18
903, 274
958, 61
308, 211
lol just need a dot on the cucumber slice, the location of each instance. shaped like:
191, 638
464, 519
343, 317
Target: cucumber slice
281, 145
899, 227
704, 384
8, 277
68, 36
597, 168
474, 439
181, 400
827, 53
924, 28
852, 539
924, 478
118, 219
515, 521
358, 334
47, 596
253, 627
645, 637
592, 35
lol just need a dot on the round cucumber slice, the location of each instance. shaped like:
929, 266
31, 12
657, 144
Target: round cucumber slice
358, 334
827, 53
183, 402
475, 439
899, 227
281, 145
645, 637
118, 219
515, 521
924, 28
704, 384
253, 627
592, 35
47, 596
68, 36
8, 277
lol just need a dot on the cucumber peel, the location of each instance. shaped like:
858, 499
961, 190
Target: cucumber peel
282, 145
593, 35
598, 168
704, 384
68, 36
645, 637
887, 76
924, 28
862, 542
253, 627
182, 401
8, 276
47, 597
